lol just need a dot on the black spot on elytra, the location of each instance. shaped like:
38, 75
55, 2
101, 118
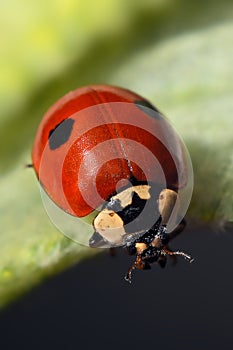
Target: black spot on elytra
60, 134
148, 108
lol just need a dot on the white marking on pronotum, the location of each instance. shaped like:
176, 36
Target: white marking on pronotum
125, 197
110, 226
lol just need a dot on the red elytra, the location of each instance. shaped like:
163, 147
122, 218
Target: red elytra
96, 136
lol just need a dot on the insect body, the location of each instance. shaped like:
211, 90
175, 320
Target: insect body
108, 149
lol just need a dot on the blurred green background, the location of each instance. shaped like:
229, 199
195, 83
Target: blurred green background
178, 54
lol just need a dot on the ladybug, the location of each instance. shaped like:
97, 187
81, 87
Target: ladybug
106, 154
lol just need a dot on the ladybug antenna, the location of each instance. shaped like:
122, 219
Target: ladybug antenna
188, 257
138, 264
128, 276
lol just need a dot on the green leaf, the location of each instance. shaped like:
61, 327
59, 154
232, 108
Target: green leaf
178, 54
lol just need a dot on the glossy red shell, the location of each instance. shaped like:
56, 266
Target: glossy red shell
72, 174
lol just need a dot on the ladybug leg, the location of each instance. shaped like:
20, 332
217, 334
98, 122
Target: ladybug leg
146, 255
172, 235
173, 258
167, 251
138, 264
